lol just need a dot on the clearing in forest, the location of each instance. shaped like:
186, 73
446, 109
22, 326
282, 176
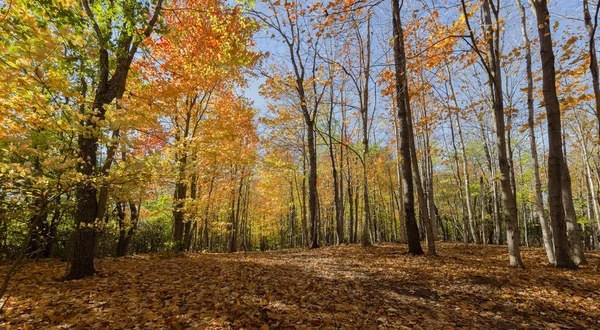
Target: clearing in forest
467, 287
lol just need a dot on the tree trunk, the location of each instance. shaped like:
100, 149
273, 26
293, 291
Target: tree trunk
312, 182
403, 107
50, 247
235, 215
459, 181
495, 200
539, 200
366, 239
573, 233
351, 206
508, 195
399, 200
430, 190
109, 87
465, 169
555, 152
593, 207
424, 215
39, 230
126, 232
189, 225
482, 202
339, 220
178, 204
305, 233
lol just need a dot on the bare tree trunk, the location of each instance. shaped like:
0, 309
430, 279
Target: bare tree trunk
366, 239
178, 204
493, 68
495, 200
555, 152
351, 205
341, 174
400, 195
467, 183
465, 168
482, 202
592, 209
312, 182
187, 238
573, 233
422, 201
402, 103
429, 186
539, 200
459, 181
339, 220
235, 215
305, 233
593, 201
126, 232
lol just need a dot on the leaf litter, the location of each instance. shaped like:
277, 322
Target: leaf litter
463, 287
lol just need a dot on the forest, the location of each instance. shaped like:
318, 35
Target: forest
258, 164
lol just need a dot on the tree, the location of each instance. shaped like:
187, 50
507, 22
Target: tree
403, 106
539, 201
118, 41
491, 64
190, 70
305, 70
556, 160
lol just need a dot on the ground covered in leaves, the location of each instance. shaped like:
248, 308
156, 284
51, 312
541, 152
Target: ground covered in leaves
467, 287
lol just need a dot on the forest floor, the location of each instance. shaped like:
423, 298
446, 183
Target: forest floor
469, 287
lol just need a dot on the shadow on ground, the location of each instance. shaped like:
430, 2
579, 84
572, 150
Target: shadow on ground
467, 287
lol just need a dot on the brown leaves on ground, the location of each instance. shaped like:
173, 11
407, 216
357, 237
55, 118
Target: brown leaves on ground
467, 287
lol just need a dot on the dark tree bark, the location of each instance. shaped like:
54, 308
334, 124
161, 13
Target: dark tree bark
126, 230
555, 151
235, 215
403, 107
50, 248
109, 87
421, 200
39, 232
189, 224
573, 233
305, 229
539, 201
178, 204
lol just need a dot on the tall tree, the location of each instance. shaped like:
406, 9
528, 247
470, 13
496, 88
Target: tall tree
284, 21
555, 145
492, 66
403, 107
539, 200
117, 54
